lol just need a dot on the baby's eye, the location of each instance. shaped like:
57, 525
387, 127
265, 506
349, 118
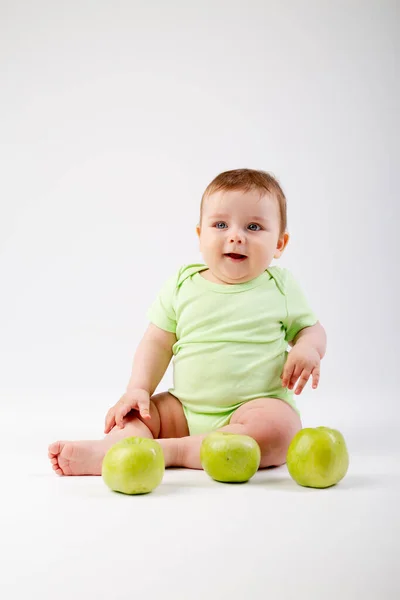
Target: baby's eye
221, 225
254, 227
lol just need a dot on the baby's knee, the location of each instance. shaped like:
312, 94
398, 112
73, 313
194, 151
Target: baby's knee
269, 434
273, 434
273, 440
152, 424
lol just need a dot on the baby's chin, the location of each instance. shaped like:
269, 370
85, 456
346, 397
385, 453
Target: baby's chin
231, 276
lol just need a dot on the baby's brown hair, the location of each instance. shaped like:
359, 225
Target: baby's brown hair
248, 179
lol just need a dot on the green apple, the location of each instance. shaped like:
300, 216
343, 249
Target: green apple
134, 465
230, 457
318, 457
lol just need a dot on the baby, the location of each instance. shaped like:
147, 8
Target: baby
227, 323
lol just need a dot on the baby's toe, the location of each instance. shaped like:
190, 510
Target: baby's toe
55, 449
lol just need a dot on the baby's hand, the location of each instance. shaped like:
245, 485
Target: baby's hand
134, 399
303, 360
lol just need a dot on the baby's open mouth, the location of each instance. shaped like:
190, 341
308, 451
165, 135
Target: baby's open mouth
236, 257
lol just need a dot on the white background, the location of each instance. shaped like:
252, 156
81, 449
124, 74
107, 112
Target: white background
114, 117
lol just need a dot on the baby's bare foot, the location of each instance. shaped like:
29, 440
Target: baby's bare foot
78, 458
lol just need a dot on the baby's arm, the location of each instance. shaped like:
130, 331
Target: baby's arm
308, 348
151, 360
313, 336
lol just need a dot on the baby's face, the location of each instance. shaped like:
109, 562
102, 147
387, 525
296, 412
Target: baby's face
239, 235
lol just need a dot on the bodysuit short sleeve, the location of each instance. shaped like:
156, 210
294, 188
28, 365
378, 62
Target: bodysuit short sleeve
162, 311
298, 311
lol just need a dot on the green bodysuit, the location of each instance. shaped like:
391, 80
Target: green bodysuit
232, 340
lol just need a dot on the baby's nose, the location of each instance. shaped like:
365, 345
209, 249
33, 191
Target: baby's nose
236, 237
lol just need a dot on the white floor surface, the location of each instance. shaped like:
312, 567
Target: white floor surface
192, 538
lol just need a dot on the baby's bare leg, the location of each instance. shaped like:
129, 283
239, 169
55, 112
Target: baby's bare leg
86, 457
271, 422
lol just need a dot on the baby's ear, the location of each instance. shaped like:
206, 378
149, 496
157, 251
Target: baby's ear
281, 245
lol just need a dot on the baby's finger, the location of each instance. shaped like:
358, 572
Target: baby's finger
295, 375
120, 413
315, 377
287, 373
302, 381
144, 408
110, 425
110, 421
